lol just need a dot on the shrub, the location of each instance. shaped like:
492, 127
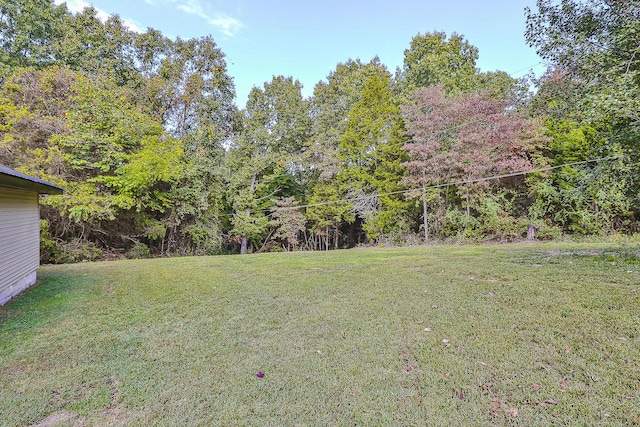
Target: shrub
138, 251
49, 248
78, 251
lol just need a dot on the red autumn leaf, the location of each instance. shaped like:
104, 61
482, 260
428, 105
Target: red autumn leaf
459, 394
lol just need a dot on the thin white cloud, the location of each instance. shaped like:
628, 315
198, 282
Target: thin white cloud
226, 24
76, 6
133, 25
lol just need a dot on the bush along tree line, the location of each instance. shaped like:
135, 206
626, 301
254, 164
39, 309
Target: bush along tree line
156, 158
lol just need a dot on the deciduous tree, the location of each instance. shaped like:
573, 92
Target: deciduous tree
432, 58
266, 156
596, 46
28, 29
464, 139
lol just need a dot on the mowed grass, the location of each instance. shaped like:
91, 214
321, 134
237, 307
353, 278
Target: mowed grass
535, 334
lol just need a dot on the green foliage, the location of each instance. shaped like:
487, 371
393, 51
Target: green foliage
49, 248
590, 96
110, 157
34, 106
267, 156
98, 49
587, 198
75, 251
596, 47
434, 59
158, 161
289, 222
27, 32
105, 128
205, 235
331, 102
371, 156
328, 211
139, 250
500, 85
143, 133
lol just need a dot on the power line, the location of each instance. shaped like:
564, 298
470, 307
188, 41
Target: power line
443, 185
462, 182
529, 68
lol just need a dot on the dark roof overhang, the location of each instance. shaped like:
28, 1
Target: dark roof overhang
14, 179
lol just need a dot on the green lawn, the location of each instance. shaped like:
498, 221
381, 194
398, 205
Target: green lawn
534, 334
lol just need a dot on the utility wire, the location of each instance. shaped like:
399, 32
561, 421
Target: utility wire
453, 183
443, 185
529, 68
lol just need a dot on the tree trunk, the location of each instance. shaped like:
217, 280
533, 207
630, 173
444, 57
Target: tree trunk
468, 207
424, 214
243, 244
326, 239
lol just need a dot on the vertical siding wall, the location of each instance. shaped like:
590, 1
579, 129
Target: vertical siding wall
19, 241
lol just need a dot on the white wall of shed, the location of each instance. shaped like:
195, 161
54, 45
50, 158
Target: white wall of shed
19, 241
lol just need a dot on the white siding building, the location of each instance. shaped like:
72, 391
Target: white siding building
19, 230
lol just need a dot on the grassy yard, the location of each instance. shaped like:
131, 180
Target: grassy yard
538, 334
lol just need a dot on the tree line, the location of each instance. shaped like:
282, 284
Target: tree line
143, 133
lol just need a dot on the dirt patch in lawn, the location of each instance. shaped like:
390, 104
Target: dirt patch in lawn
60, 418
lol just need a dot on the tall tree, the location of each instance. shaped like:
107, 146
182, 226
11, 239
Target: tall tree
328, 211
371, 156
119, 102
34, 108
28, 29
331, 102
97, 48
596, 45
465, 139
593, 49
114, 160
289, 222
193, 94
434, 59
266, 157
330, 105
579, 197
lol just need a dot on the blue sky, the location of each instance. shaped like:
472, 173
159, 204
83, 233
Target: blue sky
307, 39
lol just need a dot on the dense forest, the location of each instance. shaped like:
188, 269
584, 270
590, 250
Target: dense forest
156, 158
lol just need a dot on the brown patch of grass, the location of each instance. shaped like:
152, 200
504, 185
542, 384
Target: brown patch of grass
60, 418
